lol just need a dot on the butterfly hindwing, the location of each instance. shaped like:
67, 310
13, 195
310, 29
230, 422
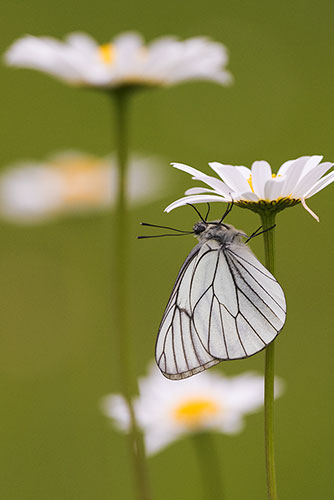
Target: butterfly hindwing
180, 352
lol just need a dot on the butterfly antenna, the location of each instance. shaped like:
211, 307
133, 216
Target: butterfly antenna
161, 235
163, 227
227, 211
179, 232
257, 233
225, 214
198, 213
207, 213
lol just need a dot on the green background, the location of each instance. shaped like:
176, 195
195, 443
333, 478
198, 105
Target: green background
57, 352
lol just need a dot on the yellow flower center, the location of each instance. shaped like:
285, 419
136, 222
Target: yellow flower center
107, 53
84, 181
195, 412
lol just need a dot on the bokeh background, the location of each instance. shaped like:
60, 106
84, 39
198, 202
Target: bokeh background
57, 354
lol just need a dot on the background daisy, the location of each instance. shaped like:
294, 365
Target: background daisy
167, 410
74, 183
125, 61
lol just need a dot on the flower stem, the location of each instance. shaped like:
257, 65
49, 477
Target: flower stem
268, 220
208, 461
121, 260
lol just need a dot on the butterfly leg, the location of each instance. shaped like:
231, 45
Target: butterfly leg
257, 233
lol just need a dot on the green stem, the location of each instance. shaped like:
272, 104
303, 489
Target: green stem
121, 260
268, 220
208, 461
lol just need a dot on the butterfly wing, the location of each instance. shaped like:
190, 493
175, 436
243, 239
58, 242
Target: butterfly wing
224, 305
180, 351
261, 300
238, 307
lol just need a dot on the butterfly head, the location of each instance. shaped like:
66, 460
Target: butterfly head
199, 227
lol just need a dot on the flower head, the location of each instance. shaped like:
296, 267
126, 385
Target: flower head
125, 61
167, 410
73, 182
257, 188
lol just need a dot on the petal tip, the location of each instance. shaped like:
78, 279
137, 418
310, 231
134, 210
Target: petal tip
303, 202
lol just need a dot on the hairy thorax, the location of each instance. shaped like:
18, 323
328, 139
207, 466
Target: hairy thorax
223, 233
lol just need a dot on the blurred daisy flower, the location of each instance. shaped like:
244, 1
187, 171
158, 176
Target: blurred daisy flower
125, 61
166, 411
257, 188
74, 182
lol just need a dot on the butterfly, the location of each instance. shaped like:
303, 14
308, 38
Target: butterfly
224, 304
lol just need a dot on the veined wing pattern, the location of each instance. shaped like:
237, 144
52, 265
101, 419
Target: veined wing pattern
224, 305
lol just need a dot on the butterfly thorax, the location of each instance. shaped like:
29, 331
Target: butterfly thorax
223, 233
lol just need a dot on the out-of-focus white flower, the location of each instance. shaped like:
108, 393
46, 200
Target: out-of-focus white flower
126, 60
167, 410
296, 181
74, 182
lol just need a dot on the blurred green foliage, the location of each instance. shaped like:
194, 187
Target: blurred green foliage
57, 355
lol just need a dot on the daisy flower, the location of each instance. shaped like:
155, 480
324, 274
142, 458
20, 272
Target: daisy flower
74, 182
257, 188
125, 61
166, 411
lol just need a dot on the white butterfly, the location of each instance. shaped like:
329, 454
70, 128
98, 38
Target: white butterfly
224, 305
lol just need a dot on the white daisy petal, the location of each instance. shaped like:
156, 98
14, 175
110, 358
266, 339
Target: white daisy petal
195, 199
199, 190
273, 188
213, 182
129, 41
232, 425
292, 174
303, 202
261, 173
231, 176
295, 171
307, 182
42, 54
218, 186
82, 41
245, 171
166, 410
29, 193
114, 406
190, 170
285, 167
156, 440
312, 162
321, 184
247, 196
129, 55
